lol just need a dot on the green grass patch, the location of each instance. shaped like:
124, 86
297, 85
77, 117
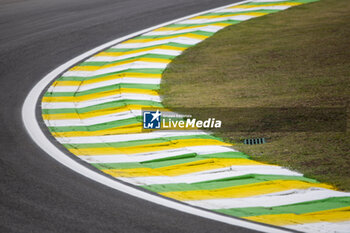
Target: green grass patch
296, 58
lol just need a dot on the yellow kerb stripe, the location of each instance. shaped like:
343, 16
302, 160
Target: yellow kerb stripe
98, 95
334, 215
272, 4
106, 78
148, 148
188, 35
107, 111
115, 54
180, 169
243, 190
144, 59
134, 128
190, 27
228, 15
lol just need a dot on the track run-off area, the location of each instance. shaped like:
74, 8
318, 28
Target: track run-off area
94, 109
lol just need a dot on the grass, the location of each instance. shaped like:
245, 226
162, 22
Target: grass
296, 58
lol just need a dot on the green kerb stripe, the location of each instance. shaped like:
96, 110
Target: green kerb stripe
173, 44
268, 3
165, 162
113, 87
202, 24
202, 33
299, 208
186, 158
222, 183
241, 12
151, 164
97, 127
139, 142
102, 63
103, 106
102, 126
144, 165
229, 155
121, 72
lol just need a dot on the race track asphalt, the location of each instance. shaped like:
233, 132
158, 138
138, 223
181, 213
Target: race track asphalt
37, 193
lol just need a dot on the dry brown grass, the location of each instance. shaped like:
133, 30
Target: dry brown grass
296, 58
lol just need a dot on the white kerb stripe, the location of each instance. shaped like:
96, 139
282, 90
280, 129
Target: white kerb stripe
254, 9
180, 40
164, 151
127, 137
141, 157
116, 58
102, 100
133, 65
93, 120
199, 21
232, 171
172, 31
269, 1
86, 87
270, 200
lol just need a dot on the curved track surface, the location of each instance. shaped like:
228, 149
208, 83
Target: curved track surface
37, 193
